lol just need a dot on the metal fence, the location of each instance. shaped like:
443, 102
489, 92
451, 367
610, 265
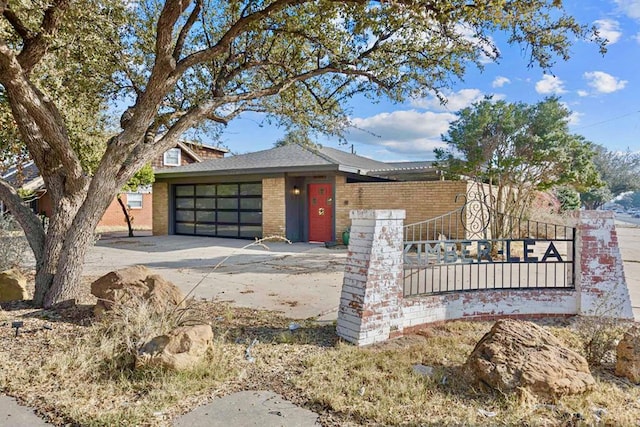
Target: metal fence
475, 248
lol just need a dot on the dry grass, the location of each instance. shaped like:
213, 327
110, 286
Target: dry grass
73, 372
377, 385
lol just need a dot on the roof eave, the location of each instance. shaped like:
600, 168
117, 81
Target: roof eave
236, 172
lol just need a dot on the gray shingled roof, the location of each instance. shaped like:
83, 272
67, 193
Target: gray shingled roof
291, 157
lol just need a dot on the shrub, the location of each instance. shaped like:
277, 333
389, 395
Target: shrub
13, 244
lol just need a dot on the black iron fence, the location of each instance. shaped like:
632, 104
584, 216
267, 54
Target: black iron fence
475, 248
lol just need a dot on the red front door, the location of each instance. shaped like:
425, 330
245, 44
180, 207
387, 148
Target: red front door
320, 212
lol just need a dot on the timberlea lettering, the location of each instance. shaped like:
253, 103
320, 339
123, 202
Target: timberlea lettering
479, 251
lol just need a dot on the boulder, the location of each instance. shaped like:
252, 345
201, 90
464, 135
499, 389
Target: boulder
179, 350
133, 284
628, 355
13, 286
517, 354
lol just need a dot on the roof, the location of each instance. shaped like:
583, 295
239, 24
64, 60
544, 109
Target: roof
25, 175
291, 158
204, 146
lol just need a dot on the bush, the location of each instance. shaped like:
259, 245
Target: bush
13, 244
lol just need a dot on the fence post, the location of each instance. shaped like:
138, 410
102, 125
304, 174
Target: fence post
371, 301
600, 281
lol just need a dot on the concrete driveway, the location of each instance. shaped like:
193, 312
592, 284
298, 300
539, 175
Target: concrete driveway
302, 280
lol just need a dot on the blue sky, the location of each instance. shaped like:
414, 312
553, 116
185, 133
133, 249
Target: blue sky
603, 92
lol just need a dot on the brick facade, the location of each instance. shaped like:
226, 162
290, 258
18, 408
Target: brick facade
372, 306
160, 208
273, 207
420, 199
141, 218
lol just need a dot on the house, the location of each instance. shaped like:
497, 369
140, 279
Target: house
299, 192
139, 202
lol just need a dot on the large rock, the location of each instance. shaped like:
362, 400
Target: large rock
517, 354
628, 355
13, 286
180, 349
131, 284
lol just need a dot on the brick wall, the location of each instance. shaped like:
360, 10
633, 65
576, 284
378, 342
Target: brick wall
273, 207
600, 273
160, 209
421, 200
113, 216
373, 308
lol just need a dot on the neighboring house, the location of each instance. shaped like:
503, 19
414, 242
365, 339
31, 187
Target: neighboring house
139, 202
302, 193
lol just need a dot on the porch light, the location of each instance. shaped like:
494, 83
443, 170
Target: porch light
296, 190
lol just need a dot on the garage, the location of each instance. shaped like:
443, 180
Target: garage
219, 210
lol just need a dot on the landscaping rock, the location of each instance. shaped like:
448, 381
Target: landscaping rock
13, 286
628, 355
178, 350
132, 284
517, 354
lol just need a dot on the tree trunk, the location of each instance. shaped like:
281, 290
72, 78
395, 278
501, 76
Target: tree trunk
125, 211
75, 242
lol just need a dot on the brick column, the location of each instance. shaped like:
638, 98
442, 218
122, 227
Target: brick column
600, 281
371, 301
160, 214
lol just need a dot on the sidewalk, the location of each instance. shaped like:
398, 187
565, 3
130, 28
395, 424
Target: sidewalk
13, 414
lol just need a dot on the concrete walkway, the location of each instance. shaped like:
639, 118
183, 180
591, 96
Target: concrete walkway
13, 414
629, 242
248, 408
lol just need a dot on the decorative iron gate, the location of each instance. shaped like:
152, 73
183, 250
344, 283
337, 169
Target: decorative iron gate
477, 248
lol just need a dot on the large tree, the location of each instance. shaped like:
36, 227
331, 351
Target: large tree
189, 63
620, 172
514, 150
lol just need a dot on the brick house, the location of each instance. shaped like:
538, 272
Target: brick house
302, 193
139, 202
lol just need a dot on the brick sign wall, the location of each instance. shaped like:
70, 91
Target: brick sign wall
373, 309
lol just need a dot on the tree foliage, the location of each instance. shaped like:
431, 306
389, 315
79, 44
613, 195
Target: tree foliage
517, 149
620, 172
200, 63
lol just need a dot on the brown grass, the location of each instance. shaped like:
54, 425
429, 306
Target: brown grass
73, 372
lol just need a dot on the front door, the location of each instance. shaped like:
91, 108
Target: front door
320, 212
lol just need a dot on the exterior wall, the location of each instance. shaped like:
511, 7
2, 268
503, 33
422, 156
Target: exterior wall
420, 199
160, 209
113, 216
185, 159
273, 207
206, 153
373, 308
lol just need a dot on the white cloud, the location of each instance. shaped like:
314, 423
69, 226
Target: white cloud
455, 100
583, 93
609, 29
404, 131
603, 82
630, 7
550, 85
500, 81
637, 37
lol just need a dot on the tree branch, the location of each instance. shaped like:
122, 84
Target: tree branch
36, 46
184, 32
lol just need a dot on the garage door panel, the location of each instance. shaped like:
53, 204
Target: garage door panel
224, 210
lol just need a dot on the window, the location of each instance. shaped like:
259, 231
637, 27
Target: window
134, 200
172, 157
